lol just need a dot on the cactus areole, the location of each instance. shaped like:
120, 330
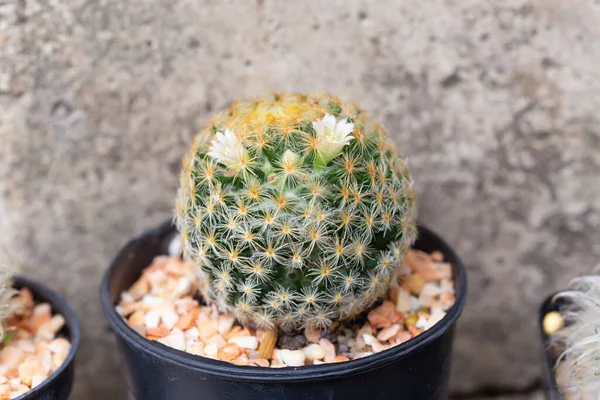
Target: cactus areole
296, 209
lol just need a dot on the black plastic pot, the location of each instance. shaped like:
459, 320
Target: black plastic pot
548, 355
418, 369
58, 385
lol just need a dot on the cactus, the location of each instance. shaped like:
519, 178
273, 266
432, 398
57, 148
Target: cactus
579, 364
297, 210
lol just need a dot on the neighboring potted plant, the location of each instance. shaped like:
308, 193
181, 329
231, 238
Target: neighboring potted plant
571, 337
40, 336
297, 215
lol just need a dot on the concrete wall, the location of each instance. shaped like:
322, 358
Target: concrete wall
495, 103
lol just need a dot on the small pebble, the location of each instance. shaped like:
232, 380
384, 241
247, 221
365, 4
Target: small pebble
436, 316
176, 340
151, 319
245, 342
228, 352
413, 284
369, 339
211, 350
196, 348
431, 289
329, 349
152, 301
225, 324
184, 285
218, 340
169, 319
403, 301
312, 334
37, 380
191, 333
314, 352
387, 333
552, 323
421, 323
292, 358
49, 329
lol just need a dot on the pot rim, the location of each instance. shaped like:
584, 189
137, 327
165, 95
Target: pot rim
231, 371
60, 306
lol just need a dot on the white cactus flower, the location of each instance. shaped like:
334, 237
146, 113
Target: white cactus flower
227, 149
332, 135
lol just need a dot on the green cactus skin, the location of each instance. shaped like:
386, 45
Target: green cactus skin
297, 210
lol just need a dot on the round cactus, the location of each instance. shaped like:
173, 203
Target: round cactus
297, 210
579, 365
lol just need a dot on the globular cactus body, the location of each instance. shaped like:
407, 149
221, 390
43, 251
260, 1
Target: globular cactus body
297, 210
579, 365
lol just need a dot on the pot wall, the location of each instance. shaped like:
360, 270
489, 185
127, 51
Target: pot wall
418, 369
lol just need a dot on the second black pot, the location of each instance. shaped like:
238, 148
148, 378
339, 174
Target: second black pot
418, 369
59, 384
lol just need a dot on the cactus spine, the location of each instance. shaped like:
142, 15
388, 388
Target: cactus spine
297, 210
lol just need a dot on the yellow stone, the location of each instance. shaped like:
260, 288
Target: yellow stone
552, 323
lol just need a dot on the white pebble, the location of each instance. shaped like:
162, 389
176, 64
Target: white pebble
151, 319
447, 286
293, 358
120, 310
403, 301
414, 303
421, 323
184, 285
388, 332
314, 352
175, 246
245, 342
276, 353
152, 301
211, 350
169, 319
49, 329
436, 316
431, 289
175, 339
14, 395
329, 349
37, 380
26, 345
192, 333
46, 360
225, 324
377, 346
369, 339
127, 298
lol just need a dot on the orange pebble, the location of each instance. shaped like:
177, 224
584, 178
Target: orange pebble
340, 358
229, 352
158, 332
186, 322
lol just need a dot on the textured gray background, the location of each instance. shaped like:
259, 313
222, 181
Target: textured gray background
495, 103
